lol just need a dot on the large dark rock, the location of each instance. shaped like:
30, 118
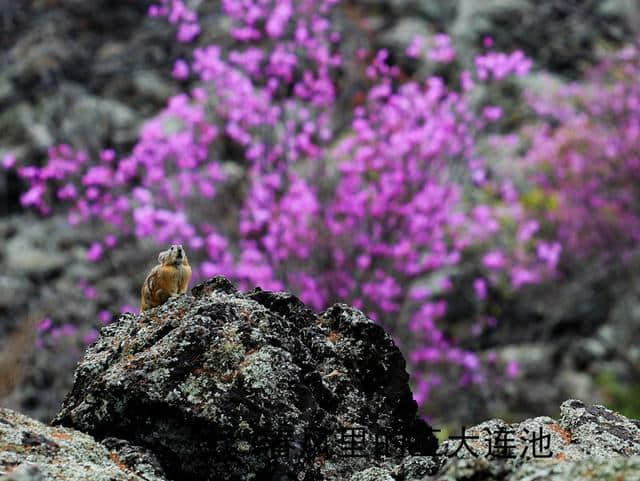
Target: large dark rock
225, 385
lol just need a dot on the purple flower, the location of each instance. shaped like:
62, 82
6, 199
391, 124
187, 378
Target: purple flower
494, 260
99, 175
521, 276
67, 192
527, 230
91, 336
68, 330
550, 253
55, 333
45, 324
442, 51
415, 47
8, 161
471, 361
492, 113
180, 69
512, 370
480, 288
107, 155
90, 292
94, 254
105, 317
111, 240
129, 308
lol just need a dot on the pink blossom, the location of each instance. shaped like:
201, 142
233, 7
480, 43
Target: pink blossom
521, 276
94, 254
513, 369
527, 230
91, 336
492, 113
550, 253
480, 288
415, 47
68, 330
90, 292
442, 51
8, 161
107, 155
45, 324
105, 317
419, 293
180, 69
129, 308
494, 260
111, 240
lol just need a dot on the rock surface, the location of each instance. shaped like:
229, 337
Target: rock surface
225, 385
587, 442
32, 451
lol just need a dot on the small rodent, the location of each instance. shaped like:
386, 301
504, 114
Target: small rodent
169, 278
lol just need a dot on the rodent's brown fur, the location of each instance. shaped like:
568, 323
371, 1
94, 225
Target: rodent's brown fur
169, 278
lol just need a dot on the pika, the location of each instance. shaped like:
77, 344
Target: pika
169, 278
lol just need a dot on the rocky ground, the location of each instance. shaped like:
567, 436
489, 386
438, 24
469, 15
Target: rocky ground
587, 442
32, 451
223, 384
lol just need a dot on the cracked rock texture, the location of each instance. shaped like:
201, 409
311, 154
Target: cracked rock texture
224, 385
32, 451
587, 442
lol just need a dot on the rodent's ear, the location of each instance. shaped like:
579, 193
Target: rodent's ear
162, 257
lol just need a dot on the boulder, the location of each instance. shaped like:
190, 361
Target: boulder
230, 385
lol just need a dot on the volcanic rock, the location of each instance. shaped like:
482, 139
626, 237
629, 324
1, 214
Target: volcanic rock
226, 385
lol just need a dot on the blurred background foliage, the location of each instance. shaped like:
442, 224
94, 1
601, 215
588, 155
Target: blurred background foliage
489, 220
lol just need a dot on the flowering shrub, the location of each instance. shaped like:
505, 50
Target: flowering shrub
365, 216
585, 159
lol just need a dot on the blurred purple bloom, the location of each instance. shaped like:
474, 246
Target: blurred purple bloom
415, 47
45, 324
492, 113
91, 336
180, 69
480, 288
94, 254
513, 369
494, 260
68, 330
105, 317
8, 161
